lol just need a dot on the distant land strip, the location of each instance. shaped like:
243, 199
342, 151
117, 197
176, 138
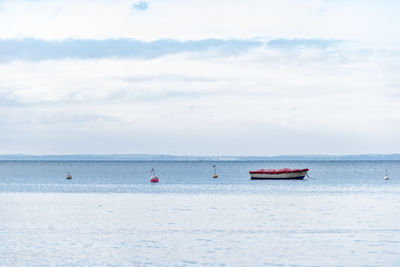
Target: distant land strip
161, 157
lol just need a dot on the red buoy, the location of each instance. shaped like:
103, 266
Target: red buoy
154, 179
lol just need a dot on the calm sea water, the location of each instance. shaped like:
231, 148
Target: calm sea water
109, 214
193, 176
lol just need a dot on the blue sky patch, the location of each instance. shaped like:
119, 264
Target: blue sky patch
142, 5
35, 49
298, 43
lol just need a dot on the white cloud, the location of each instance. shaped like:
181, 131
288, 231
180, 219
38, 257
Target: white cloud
264, 101
287, 97
367, 21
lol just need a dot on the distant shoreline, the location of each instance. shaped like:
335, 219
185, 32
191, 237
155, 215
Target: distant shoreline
155, 157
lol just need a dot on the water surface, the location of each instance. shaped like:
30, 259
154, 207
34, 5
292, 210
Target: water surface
109, 214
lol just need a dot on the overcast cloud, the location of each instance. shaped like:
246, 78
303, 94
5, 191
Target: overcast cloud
199, 77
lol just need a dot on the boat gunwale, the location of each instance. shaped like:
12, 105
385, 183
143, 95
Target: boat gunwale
279, 171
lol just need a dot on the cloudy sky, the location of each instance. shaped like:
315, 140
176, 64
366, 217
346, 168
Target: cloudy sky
201, 77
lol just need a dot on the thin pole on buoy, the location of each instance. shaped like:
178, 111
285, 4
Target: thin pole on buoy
386, 177
69, 177
215, 172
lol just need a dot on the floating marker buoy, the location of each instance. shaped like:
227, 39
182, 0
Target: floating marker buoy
215, 172
386, 177
153, 178
69, 177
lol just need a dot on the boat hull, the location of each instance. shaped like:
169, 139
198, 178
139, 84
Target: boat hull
279, 176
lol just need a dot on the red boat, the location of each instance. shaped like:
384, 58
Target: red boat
280, 174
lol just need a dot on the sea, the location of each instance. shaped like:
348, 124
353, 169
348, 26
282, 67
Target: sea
109, 214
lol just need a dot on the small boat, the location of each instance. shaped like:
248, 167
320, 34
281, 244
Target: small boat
69, 176
281, 174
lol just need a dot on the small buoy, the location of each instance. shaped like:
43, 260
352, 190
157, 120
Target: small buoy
215, 172
153, 178
386, 177
69, 177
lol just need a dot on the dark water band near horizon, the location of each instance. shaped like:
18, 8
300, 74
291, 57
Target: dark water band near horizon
109, 214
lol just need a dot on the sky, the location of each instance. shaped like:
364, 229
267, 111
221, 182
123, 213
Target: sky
199, 77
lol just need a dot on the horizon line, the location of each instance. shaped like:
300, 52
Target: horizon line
194, 155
